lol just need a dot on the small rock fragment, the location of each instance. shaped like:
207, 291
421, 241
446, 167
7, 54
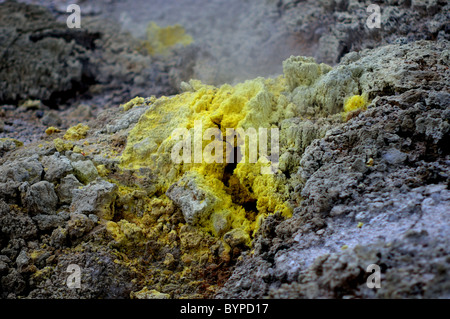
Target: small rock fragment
394, 156
78, 225
96, 198
56, 167
85, 171
236, 237
66, 187
22, 260
195, 201
40, 198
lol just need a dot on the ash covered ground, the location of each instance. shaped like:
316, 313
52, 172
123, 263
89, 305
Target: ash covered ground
86, 123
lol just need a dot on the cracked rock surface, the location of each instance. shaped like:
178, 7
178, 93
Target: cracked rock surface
376, 185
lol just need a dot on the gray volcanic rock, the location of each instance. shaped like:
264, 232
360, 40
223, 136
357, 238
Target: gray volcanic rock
56, 167
78, 225
85, 171
380, 178
66, 187
101, 277
40, 198
25, 170
40, 58
95, 198
15, 224
328, 30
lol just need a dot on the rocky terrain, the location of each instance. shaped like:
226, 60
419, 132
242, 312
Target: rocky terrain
87, 132
71, 75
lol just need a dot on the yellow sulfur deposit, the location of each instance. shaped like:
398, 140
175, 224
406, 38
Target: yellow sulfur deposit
77, 149
124, 232
51, 130
145, 293
61, 145
136, 101
252, 104
160, 40
356, 102
77, 132
209, 165
199, 173
102, 170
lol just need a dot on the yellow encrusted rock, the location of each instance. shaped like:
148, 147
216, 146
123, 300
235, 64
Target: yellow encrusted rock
136, 101
146, 293
252, 104
218, 193
51, 130
62, 146
354, 105
77, 132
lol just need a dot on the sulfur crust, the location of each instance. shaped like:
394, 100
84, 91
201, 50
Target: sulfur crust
355, 102
136, 101
51, 130
249, 104
77, 132
257, 103
62, 145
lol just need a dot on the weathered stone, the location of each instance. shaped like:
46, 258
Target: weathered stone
195, 201
85, 171
96, 198
58, 237
14, 224
78, 225
66, 187
29, 170
394, 156
40, 198
236, 237
22, 260
47, 222
56, 167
